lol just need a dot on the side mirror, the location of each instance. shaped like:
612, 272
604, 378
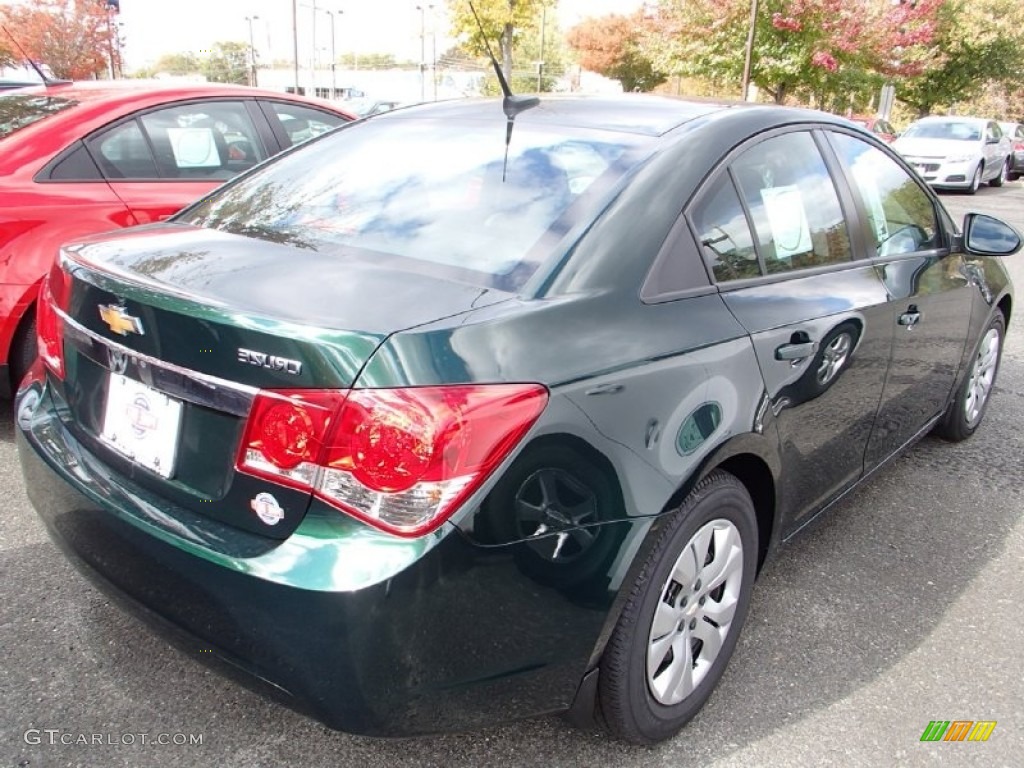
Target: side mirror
988, 236
991, 140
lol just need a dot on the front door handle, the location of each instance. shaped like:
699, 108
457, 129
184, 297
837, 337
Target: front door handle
796, 351
910, 318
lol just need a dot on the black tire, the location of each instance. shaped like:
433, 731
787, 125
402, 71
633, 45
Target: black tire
629, 707
23, 348
1003, 173
975, 181
957, 424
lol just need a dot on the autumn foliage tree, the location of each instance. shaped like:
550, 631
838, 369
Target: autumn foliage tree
72, 38
826, 50
502, 20
611, 46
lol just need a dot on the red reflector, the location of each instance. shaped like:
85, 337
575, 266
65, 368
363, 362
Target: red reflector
54, 293
400, 459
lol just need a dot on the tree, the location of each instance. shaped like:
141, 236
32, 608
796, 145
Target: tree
827, 50
611, 46
502, 21
186, 63
72, 39
977, 45
226, 62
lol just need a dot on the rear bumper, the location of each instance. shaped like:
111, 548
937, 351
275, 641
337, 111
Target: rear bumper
369, 634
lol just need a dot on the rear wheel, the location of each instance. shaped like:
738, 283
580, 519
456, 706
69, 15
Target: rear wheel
1004, 171
968, 407
23, 348
683, 616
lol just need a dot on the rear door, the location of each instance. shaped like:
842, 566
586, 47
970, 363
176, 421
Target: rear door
161, 160
774, 233
930, 291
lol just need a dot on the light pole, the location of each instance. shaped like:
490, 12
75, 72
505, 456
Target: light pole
423, 50
334, 56
750, 49
540, 64
252, 52
313, 61
295, 42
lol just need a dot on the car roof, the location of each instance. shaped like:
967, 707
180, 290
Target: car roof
129, 91
97, 103
627, 113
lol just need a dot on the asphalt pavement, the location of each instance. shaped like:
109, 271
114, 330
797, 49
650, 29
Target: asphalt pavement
902, 607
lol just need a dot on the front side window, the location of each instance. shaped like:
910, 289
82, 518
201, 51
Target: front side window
208, 140
439, 194
793, 204
900, 212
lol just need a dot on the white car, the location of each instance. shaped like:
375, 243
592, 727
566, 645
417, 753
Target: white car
956, 152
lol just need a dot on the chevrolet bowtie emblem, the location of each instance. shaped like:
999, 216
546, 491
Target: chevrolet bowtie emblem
120, 322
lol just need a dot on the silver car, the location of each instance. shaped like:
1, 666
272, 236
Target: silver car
1015, 132
957, 152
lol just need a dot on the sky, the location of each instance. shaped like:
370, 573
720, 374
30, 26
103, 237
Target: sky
154, 27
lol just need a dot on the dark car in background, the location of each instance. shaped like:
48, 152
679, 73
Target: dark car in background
458, 415
80, 158
1015, 132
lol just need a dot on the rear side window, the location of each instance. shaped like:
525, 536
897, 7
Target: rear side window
793, 204
723, 233
900, 212
123, 153
19, 110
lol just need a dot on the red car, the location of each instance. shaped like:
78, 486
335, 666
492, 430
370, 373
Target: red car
81, 158
881, 128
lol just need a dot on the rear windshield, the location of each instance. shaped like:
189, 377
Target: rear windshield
18, 110
431, 191
946, 130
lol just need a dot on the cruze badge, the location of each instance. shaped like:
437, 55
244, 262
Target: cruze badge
120, 322
270, 362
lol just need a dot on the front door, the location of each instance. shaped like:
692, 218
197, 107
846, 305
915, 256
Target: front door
775, 236
930, 294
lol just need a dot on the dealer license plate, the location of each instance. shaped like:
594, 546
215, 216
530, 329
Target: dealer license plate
142, 424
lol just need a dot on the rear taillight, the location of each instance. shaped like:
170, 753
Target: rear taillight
1018, 146
400, 459
54, 294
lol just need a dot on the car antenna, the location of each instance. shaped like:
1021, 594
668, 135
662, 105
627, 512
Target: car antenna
42, 76
511, 104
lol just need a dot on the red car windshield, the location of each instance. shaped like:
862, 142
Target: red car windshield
19, 110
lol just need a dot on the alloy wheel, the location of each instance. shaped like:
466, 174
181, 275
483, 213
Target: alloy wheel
983, 373
834, 357
695, 613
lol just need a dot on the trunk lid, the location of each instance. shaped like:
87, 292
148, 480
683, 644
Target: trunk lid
172, 330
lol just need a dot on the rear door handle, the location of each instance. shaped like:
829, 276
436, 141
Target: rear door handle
796, 351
